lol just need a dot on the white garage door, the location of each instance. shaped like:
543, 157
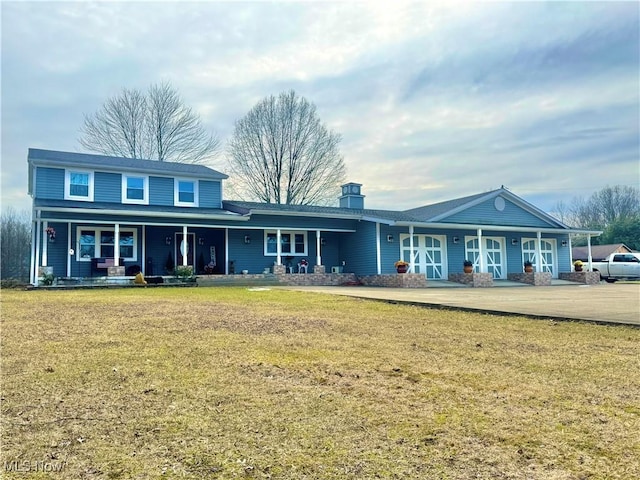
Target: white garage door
429, 255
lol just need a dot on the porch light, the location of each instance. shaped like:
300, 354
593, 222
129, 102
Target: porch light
247, 239
514, 241
456, 239
390, 238
201, 241
323, 242
167, 240
564, 243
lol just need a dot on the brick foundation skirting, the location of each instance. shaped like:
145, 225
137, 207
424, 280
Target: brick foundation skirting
407, 280
395, 280
472, 279
542, 279
588, 278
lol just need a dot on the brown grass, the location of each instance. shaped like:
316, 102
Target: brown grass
234, 383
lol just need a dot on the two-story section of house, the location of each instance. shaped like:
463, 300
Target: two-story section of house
96, 215
94, 211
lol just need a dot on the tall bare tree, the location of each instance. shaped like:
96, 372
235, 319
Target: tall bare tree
281, 153
156, 125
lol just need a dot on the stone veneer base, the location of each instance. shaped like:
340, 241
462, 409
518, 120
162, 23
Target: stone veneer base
472, 279
588, 278
542, 279
395, 280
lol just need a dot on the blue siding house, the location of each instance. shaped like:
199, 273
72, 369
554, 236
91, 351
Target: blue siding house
95, 215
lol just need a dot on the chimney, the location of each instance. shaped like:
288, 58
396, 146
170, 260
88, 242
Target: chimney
351, 197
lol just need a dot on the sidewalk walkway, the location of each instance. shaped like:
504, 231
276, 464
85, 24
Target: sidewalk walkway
605, 303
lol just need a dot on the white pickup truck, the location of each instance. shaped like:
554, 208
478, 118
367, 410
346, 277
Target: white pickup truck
617, 266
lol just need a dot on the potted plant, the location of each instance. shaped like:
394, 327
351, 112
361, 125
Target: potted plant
577, 265
401, 266
468, 266
528, 266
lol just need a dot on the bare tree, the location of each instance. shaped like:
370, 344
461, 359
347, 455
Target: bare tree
156, 125
15, 248
281, 153
605, 206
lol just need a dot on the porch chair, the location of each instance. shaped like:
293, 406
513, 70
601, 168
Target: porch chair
302, 266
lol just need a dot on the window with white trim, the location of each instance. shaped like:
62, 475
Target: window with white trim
185, 193
291, 243
97, 242
135, 189
78, 185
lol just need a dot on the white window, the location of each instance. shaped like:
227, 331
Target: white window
78, 185
100, 242
185, 193
291, 243
135, 189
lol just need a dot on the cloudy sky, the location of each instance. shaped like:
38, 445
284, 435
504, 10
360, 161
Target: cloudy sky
434, 100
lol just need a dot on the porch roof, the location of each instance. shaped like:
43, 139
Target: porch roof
160, 211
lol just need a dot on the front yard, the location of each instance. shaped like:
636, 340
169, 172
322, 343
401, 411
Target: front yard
240, 383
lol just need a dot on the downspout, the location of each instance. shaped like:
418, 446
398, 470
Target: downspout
378, 260
411, 255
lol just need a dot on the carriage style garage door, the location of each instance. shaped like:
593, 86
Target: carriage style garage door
547, 254
429, 255
494, 251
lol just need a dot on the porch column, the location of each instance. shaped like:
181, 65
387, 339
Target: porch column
186, 246
411, 255
538, 252
378, 261
45, 243
318, 256
278, 248
143, 260
116, 245
32, 270
482, 263
590, 267
226, 251
69, 254
38, 237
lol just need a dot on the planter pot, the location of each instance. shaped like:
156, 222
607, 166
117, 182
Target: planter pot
528, 269
578, 268
468, 269
402, 268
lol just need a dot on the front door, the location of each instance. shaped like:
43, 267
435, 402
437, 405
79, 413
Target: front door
494, 255
428, 254
547, 254
185, 248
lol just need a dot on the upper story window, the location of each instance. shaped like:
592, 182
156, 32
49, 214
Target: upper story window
185, 193
78, 185
291, 243
135, 189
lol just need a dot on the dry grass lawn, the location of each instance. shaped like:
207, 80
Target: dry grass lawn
233, 383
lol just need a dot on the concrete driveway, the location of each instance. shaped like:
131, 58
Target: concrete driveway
608, 303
